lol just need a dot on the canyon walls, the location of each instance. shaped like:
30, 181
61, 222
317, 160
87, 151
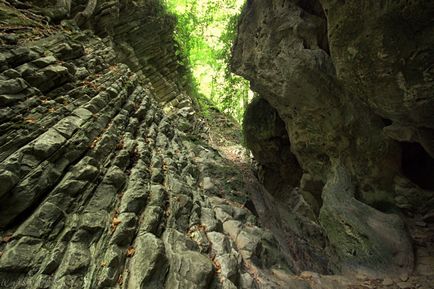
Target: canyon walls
107, 179
352, 81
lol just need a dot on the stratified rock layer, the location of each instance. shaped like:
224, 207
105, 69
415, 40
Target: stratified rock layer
100, 187
107, 179
353, 84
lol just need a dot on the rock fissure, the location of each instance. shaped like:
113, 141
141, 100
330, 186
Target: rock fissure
111, 178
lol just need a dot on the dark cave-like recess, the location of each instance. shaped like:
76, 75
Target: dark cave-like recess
266, 136
417, 165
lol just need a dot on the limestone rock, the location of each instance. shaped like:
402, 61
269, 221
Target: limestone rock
99, 186
365, 240
107, 179
349, 89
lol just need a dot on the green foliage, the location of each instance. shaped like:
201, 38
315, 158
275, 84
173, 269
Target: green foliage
206, 30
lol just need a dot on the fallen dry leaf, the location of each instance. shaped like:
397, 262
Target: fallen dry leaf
115, 222
120, 280
30, 119
217, 266
131, 251
7, 238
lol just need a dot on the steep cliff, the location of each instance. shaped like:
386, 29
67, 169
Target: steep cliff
109, 177
99, 186
349, 85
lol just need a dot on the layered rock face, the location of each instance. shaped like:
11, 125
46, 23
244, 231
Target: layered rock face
99, 186
108, 180
140, 32
353, 83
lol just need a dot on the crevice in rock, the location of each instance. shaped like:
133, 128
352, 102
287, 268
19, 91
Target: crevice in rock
417, 165
266, 136
134, 189
314, 7
386, 121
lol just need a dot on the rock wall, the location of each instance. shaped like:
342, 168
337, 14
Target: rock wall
108, 180
99, 186
140, 32
352, 81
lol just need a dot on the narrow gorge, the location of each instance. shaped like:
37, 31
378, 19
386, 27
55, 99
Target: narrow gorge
112, 175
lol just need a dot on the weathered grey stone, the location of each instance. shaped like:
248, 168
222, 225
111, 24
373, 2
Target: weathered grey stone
27, 192
102, 198
125, 231
47, 144
6, 100
151, 219
134, 197
93, 221
110, 268
44, 61
20, 255
68, 51
220, 243
99, 188
82, 113
49, 77
232, 228
229, 266
149, 265
11, 73
200, 237
54, 259
7, 180
68, 125
41, 223
337, 79
366, 240
180, 207
12, 86
76, 259
370, 70
250, 243
208, 219
188, 269
268, 140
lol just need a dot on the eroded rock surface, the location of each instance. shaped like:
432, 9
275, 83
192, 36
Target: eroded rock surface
352, 81
108, 180
100, 186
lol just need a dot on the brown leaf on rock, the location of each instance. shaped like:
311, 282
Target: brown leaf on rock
131, 251
217, 265
30, 119
95, 142
120, 280
115, 222
7, 238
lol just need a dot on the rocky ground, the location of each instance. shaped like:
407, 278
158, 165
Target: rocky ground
342, 130
102, 189
110, 178
421, 227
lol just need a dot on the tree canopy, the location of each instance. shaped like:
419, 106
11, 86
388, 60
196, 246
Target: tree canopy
206, 30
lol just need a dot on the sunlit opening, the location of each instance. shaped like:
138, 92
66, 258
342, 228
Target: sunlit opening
206, 30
